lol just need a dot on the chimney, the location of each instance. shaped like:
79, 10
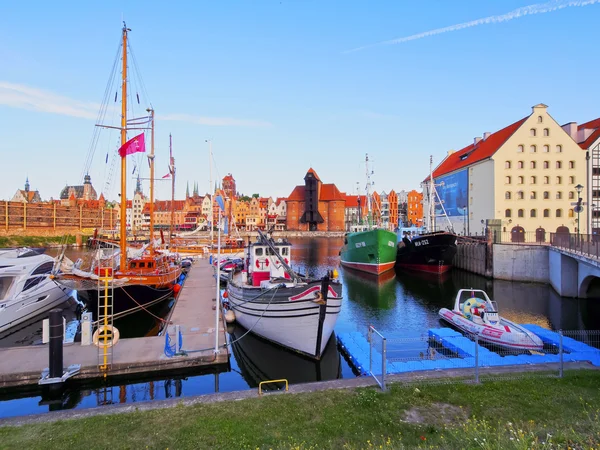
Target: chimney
486, 134
450, 152
571, 130
476, 140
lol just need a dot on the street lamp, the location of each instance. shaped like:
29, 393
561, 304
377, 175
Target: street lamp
578, 207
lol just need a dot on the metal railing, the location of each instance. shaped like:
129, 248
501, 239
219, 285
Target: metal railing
448, 356
583, 244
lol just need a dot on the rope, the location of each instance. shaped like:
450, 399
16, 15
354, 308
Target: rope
142, 307
169, 348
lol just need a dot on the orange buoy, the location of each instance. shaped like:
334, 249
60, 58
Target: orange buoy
225, 294
176, 288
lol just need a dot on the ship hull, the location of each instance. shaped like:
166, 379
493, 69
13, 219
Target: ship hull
372, 251
431, 253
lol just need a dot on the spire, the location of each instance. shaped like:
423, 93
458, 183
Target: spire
187, 190
27, 184
195, 193
138, 185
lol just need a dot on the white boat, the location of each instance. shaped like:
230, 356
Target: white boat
474, 313
25, 287
274, 302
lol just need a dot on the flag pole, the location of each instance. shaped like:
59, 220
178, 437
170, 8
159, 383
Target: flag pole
218, 297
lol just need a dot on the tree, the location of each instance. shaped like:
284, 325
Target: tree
255, 195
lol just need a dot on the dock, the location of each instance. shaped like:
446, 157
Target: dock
194, 313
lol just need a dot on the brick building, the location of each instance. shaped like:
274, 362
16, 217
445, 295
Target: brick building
315, 206
415, 208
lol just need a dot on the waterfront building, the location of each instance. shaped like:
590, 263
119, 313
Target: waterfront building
414, 208
355, 210
392, 199
83, 191
523, 175
315, 206
229, 186
26, 195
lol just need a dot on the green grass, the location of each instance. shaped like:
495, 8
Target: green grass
510, 414
36, 241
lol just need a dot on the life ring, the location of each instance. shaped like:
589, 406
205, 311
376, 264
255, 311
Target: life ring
471, 303
319, 298
109, 342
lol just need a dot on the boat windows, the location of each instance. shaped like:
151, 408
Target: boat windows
150, 265
133, 265
5, 284
284, 251
32, 282
44, 269
142, 265
258, 251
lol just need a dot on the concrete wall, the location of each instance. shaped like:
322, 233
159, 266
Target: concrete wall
481, 195
521, 263
563, 274
472, 256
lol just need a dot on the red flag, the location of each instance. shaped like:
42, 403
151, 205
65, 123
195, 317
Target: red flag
167, 175
133, 145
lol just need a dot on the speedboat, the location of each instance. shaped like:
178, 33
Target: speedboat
25, 287
476, 315
272, 301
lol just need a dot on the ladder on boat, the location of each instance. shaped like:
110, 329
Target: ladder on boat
104, 333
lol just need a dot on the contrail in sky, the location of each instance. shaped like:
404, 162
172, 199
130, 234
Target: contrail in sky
540, 8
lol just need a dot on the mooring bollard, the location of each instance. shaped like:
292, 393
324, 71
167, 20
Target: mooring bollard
56, 344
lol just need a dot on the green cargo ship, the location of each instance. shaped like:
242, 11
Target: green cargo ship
372, 251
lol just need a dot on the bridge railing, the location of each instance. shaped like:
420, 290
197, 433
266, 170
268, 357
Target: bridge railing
583, 244
522, 237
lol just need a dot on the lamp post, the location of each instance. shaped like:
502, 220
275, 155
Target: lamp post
578, 208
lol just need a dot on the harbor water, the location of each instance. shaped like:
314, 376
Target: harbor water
397, 304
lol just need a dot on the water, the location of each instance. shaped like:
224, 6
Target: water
396, 304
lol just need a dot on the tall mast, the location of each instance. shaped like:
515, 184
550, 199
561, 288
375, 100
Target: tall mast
212, 197
151, 111
172, 188
123, 223
369, 212
431, 198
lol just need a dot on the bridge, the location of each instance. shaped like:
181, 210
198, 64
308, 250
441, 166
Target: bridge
574, 265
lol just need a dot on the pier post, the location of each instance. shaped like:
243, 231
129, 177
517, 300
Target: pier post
55, 351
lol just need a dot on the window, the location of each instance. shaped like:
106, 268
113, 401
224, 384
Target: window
559, 149
533, 180
533, 213
520, 148
507, 180
507, 165
546, 132
32, 282
521, 180
520, 195
532, 149
520, 164
44, 268
521, 213
532, 165
558, 195
546, 164
571, 213
142, 265
532, 132
558, 180
533, 195
571, 195
133, 265
258, 251
546, 180
150, 265
546, 213
540, 119
559, 164
559, 213
571, 164
546, 195
546, 149
571, 180
507, 213
507, 195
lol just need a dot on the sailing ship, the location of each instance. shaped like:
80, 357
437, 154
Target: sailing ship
369, 248
140, 277
427, 250
277, 304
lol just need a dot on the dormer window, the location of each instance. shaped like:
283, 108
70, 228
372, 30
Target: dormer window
465, 156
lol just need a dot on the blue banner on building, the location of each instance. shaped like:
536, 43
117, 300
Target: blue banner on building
453, 192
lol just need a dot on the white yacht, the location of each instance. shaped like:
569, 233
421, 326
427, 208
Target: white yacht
26, 289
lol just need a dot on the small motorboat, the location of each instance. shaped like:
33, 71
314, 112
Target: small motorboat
25, 287
475, 314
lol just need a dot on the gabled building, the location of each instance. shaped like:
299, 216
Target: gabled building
524, 175
315, 206
83, 191
26, 195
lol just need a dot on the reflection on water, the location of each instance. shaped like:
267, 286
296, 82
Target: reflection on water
377, 292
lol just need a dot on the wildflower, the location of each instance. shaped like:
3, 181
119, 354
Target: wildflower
423, 438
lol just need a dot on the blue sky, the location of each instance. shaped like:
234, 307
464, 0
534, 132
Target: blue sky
277, 88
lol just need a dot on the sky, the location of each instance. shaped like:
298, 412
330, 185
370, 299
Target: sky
279, 86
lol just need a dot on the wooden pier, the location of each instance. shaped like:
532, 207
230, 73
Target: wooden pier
193, 312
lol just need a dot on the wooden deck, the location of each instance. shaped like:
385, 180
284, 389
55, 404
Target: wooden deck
193, 311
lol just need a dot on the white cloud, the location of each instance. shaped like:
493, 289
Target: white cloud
540, 8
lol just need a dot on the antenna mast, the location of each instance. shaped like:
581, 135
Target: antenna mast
368, 193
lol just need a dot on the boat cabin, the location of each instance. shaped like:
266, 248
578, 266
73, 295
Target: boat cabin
261, 262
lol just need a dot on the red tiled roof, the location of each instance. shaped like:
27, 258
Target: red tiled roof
311, 170
592, 124
297, 194
330, 192
352, 201
484, 149
590, 140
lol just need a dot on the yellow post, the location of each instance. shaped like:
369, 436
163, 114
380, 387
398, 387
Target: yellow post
105, 349
54, 217
24, 215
